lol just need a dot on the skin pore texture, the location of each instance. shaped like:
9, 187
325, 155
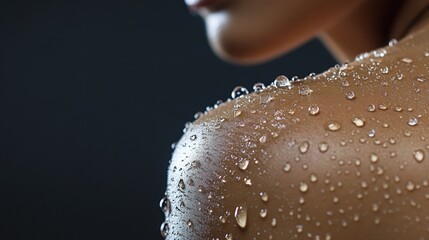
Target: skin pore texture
339, 155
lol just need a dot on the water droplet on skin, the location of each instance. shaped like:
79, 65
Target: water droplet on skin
258, 87
371, 108
359, 122
282, 81
237, 113
248, 181
393, 42
264, 196
419, 155
228, 236
375, 207
181, 185
189, 223
164, 229
373, 157
407, 60
303, 148
426, 54
303, 187
304, 90
410, 186
382, 107
273, 222
412, 121
198, 115
384, 70
263, 139
334, 126
263, 213
287, 167
240, 215
165, 206
313, 178
238, 92
299, 228
407, 133
313, 110
323, 147
371, 133
350, 95
193, 137
243, 164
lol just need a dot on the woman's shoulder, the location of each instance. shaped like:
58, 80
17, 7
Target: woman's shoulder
332, 156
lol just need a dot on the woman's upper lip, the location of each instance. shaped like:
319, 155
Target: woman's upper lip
196, 5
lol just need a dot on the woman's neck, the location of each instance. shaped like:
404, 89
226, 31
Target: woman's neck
372, 24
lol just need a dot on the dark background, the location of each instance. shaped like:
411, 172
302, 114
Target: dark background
92, 94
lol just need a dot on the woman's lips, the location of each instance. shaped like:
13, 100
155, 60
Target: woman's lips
196, 5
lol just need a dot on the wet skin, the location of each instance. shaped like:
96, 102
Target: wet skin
342, 155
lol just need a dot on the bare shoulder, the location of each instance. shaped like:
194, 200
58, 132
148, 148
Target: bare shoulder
340, 155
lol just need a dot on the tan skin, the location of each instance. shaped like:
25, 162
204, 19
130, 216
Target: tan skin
341, 155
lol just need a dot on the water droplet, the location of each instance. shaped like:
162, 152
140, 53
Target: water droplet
165, 205
384, 70
359, 122
299, 228
238, 92
350, 95
264, 196
304, 90
371, 108
375, 207
345, 83
373, 157
273, 222
164, 229
303, 148
371, 133
334, 126
313, 178
282, 81
303, 187
313, 110
407, 60
263, 213
426, 54
193, 137
243, 164
412, 121
410, 186
181, 185
240, 215
228, 236
258, 87
419, 155
382, 107
393, 42
248, 181
323, 147
287, 167
189, 223
263, 139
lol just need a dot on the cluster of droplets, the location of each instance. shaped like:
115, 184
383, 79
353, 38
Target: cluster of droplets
165, 206
365, 127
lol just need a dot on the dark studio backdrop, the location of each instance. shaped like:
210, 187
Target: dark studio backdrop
92, 95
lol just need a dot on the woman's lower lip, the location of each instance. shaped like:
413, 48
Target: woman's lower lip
196, 5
